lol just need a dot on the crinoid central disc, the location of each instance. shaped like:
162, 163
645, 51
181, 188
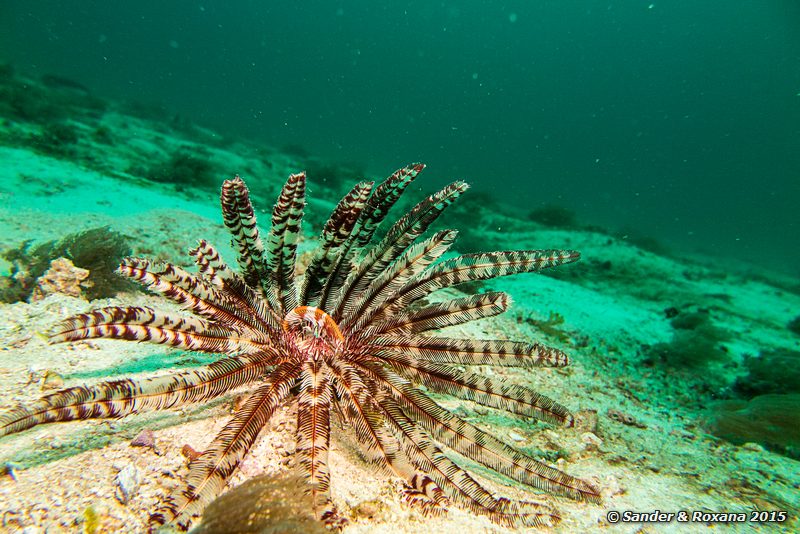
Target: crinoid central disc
312, 332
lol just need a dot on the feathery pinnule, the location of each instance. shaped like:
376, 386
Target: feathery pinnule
501, 353
478, 445
118, 398
313, 435
240, 219
385, 197
468, 268
351, 339
209, 473
373, 214
454, 481
443, 314
484, 390
282, 245
398, 238
193, 292
334, 238
415, 258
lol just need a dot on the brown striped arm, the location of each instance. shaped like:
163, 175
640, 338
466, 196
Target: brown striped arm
453, 480
144, 324
118, 398
380, 202
313, 437
240, 219
197, 294
475, 444
209, 473
420, 491
486, 391
382, 448
386, 195
416, 258
443, 314
399, 237
211, 267
333, 242
249, 304
410, 350
281, 255
470, 268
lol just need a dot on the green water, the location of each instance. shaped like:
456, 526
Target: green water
675, 120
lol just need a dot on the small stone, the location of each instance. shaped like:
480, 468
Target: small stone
624, 418
754, 447
127, 481
145, 438
553, 440
612, 486
516, 437
460, 411
11, 518
591, 441
368, 509
52, 380
20, 342
278, 425
586, 421
8, 469
237, 403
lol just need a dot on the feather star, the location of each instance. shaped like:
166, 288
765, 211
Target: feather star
352, 336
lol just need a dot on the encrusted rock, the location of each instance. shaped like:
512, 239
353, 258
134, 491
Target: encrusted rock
62, 277
267, 503
237, 403
754, 447
625, 419
145, 438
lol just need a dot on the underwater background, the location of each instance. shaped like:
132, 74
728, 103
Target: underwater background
674, 120
660, 139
